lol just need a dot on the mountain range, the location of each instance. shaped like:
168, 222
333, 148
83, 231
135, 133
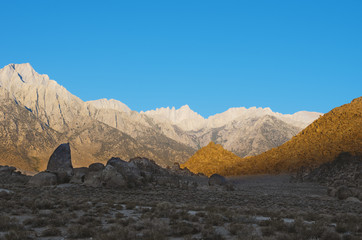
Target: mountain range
336, 132
38, 114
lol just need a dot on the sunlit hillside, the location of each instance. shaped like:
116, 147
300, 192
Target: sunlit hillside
340, 130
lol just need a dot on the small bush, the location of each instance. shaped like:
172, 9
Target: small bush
16, 235
51, 232
81, 231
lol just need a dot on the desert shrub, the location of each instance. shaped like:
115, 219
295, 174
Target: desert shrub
240, 229
296, 227
43, 204
315, 231
214, 219
59, 220
265, 223
341, 227
131, 205
36, 222
7, 223
267, 231
208, 232
16, 235
88, 219
200, 214
329, 235
116, 233
184, 228
278, 225
81, 231
51, 232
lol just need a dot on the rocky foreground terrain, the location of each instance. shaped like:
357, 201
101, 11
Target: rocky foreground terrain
140, 200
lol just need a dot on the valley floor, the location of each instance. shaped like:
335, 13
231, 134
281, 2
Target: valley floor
260, 207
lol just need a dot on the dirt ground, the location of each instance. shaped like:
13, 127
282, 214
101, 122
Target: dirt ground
259, 207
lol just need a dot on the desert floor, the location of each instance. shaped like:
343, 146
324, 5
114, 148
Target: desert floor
259, 207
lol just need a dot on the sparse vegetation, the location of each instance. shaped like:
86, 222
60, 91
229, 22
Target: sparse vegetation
270, 209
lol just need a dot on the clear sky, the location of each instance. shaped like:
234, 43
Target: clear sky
212, 55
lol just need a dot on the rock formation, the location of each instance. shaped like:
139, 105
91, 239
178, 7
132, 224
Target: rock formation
117, 173
60, 162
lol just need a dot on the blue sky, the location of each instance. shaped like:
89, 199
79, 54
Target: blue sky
211, 55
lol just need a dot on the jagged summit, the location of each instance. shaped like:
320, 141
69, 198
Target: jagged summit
183, 117
24, 73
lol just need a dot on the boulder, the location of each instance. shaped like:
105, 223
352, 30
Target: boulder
128, 170
93, 179
95, 167
353, 199
149, 170
176, 169
359, 196
331, 191
147, 165
79, 175
43, 179
343, 192
60, 162
217, 180
6, 170
112, 179
6, 194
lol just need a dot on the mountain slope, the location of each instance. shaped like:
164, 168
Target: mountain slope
166, 135
210, 159
339, 130
92, 139
24, 140
240, 130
